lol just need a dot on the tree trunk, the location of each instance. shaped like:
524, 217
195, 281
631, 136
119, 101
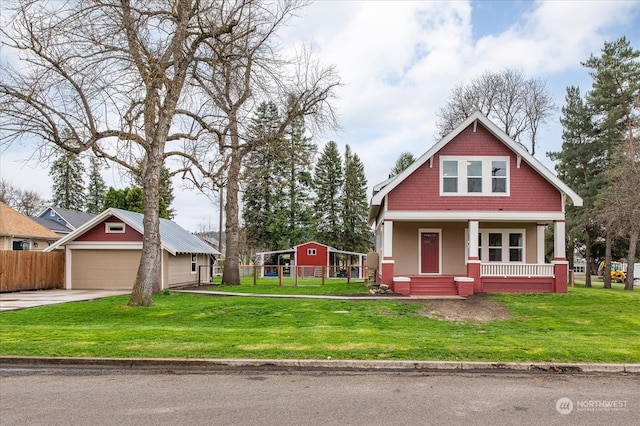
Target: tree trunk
631, 257
589, 260
231, 273
148, 279
606, 275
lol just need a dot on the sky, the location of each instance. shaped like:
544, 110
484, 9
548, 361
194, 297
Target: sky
398, 62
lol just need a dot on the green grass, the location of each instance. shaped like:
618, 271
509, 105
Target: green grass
314, 286
585, 325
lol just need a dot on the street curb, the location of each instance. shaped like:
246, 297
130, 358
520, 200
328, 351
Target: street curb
204, 366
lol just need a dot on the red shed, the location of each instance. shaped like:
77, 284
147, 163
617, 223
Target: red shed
310, 257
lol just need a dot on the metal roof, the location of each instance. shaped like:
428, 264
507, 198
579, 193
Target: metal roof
173, 237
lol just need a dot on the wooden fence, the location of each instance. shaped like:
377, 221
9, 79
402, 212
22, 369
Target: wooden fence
31, 270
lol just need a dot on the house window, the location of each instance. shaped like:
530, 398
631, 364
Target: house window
450, 176
194, 263
515, 247
498, 176
500, 245
495, 247
21, 245
114, 227
476, 175
311, 252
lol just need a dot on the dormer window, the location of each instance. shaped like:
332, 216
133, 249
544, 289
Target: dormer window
474, 176
114, 228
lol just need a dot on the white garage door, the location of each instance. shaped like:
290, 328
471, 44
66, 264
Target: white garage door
104, 269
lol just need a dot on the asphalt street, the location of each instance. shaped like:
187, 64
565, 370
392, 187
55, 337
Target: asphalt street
111, 397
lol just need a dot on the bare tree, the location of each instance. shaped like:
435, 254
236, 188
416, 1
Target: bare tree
237, 72
113, 72
517, 104
27, 202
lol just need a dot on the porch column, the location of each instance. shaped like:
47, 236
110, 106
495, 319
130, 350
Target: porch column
473, 261
387, 253
559, 244
560, 264
540, 243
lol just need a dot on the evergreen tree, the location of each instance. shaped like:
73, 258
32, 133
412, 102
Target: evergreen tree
404, 161
96, 188
580, 165
298, 206
262, 180
131, 199
67, 181
356, 232
615, 90
328, 181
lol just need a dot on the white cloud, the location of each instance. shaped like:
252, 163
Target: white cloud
398, 62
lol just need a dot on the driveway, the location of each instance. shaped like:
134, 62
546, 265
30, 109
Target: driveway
30, 299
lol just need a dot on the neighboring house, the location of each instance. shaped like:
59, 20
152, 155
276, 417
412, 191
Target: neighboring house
310, 257
105, 252
19, 232
469, 216
62, 221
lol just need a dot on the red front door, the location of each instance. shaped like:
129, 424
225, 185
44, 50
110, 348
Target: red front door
429, 253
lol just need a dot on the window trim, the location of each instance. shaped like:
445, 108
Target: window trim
194, 263
115, 227
483, 250
487, 176
312, 252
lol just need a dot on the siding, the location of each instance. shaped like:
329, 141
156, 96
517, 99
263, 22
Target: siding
528, 190
320, 258
97, 233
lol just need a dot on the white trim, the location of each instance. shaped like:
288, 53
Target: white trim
194, 261
430, 230
559, 236
540, 242
464, 215
487, 177
105, 245
68, 263
387, 239
485, 247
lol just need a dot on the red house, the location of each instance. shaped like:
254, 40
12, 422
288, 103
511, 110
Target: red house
469, 216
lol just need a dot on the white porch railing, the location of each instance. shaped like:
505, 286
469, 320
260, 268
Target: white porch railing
516, 270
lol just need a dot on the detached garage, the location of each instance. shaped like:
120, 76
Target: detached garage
105, 253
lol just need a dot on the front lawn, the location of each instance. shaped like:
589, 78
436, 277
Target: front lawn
314, 286
585, 325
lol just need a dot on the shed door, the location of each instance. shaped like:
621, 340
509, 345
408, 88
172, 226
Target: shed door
429, 252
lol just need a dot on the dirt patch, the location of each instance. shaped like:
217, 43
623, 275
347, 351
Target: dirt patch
478, 308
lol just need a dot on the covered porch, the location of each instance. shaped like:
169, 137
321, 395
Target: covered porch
472, 256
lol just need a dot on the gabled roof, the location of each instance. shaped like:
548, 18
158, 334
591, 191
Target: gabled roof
74, 218
53, 225
14, 224
383, 188
173, 237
